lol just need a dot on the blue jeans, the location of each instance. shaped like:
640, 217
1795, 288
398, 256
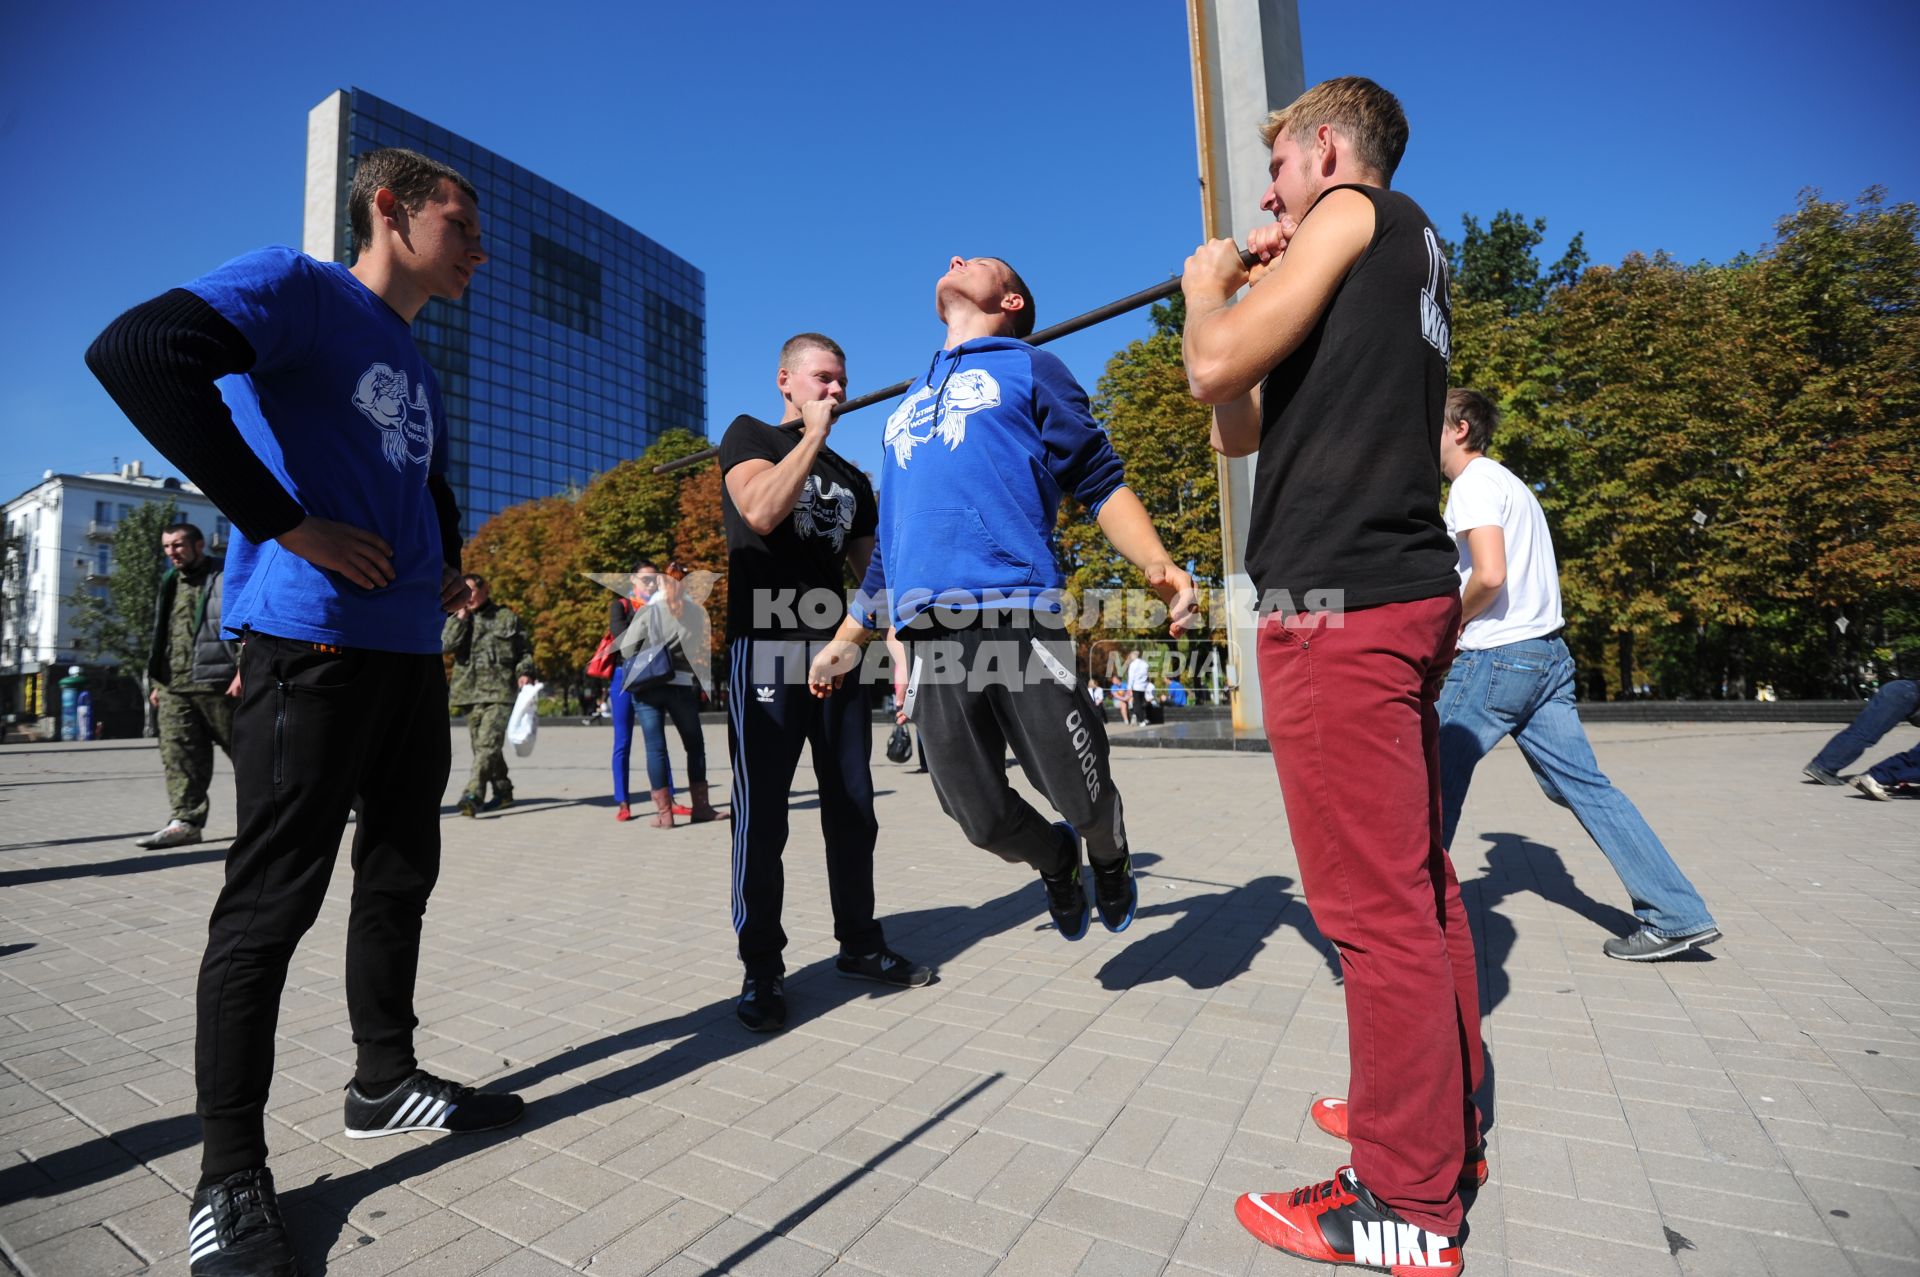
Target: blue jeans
654, 706
1525, 690
1894, 702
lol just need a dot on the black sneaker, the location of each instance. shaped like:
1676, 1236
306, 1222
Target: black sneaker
1648, 945
470, 804
1814, 771
234, 1229
763, 1004
502, 797
1066, 898
1340, 1222
427, 1103
886, 967
1115, 894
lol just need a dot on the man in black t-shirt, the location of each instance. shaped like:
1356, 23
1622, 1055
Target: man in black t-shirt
797, 516
1334, 369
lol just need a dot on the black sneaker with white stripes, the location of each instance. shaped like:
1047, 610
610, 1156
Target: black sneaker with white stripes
427, 1103
234, 1229
884, 966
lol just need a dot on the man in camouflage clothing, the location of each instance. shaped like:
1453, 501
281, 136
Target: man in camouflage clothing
196, 679
492, 653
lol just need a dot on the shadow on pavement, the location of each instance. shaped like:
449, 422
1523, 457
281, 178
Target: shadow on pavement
200, 855
1217, 935
71, 842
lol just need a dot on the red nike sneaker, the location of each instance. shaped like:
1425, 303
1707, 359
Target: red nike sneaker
1330, 1115
1339, 1222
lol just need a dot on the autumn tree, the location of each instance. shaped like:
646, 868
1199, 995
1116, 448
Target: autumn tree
535, 562
628, 513
700, 542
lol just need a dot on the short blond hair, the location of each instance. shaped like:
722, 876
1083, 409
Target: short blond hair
1367, 115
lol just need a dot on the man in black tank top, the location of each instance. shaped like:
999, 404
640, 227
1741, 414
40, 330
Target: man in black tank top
1333, 369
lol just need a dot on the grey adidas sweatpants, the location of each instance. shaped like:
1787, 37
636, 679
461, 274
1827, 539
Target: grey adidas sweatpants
976, 691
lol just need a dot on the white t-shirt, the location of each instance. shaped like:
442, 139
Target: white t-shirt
1137, 676
1486, 494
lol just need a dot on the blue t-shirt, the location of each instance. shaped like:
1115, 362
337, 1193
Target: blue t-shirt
345, 412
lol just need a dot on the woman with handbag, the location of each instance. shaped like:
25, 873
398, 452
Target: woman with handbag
661, 638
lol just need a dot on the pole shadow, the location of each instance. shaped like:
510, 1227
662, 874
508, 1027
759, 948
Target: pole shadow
112, 868
73, 842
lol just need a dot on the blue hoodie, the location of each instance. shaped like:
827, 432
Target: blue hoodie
976, 458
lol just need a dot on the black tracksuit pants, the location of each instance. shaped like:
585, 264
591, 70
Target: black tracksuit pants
984, 688
770, 716
314, 728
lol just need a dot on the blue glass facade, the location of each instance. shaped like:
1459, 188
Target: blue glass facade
580, 341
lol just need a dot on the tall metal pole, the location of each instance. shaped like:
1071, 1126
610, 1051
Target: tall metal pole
1246, 62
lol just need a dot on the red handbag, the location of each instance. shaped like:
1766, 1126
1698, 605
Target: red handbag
606, 657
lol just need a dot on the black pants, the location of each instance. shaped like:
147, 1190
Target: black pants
313, 729
770, 716
988, 687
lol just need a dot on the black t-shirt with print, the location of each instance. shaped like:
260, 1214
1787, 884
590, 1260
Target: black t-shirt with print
791, 583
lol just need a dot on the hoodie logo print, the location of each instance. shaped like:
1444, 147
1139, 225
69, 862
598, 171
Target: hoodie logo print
916, 421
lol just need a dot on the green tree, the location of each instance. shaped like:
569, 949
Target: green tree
118, 629
628, 513
535, 562
1496, 263
1161, 434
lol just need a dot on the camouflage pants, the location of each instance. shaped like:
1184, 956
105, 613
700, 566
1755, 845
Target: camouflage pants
191, 724
487, 729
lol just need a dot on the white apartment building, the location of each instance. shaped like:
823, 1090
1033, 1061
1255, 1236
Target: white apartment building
64, 526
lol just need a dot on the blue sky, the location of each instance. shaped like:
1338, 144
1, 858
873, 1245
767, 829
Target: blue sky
820, 161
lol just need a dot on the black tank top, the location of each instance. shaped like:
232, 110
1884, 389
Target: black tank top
1347, 493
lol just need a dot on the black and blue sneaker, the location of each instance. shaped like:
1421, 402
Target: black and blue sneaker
1066, 898
1115, 894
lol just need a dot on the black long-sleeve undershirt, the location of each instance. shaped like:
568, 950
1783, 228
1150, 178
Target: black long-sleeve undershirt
159, 362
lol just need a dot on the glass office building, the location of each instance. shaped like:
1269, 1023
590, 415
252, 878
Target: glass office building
580, 341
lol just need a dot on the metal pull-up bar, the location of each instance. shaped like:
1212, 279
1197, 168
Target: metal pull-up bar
1066, 327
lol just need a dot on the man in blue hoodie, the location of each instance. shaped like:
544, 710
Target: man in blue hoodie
978, 456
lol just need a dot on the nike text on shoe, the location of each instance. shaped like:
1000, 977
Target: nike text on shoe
427, 1103
1339, 1222
1814, 771
1872, 788
1115, 894
884, 966
1329, 1113
762, 1007
1066, 898
1648, 945
234, 1229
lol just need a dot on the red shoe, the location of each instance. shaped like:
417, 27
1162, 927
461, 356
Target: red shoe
1330, 1115
1339, 1222
625, 813
679, 810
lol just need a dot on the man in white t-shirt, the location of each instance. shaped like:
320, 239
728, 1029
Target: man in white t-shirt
1513, 677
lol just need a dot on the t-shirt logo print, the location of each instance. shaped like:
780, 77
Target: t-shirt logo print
405, 421
1434, 325
961, 395
824, 512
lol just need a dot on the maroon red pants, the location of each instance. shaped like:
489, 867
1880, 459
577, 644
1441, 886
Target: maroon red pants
1349, 707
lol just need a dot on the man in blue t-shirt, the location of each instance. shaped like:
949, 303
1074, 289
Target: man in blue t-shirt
292, 392
977, 458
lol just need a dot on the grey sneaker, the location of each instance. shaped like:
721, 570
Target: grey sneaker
176, 833
1872, 788
1814, 771
1648, 945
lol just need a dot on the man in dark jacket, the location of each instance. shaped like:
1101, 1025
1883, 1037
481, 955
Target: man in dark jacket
492, 660
195, 676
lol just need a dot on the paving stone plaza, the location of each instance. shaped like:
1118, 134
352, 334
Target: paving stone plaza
1044, 1108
